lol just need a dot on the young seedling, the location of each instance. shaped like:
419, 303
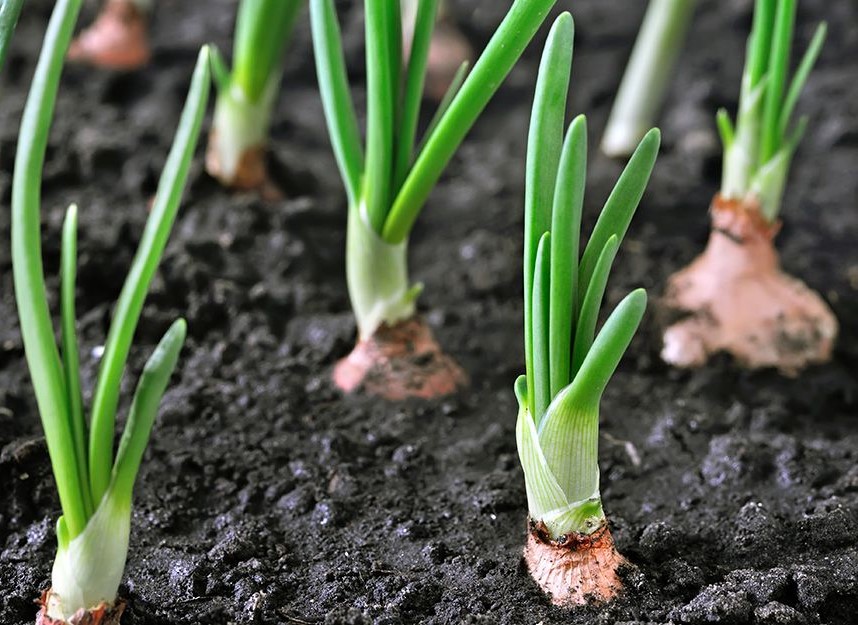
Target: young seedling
119, 37
734, 296
569, 551
246, 96
647, 75
95, 489
387, 183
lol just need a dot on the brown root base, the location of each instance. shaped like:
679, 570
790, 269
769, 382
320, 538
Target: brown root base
102, 614
399, 362
581, 569
735, 298
116, 40
251, 174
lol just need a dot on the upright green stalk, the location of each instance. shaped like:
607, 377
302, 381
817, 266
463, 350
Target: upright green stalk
388, 182
246, 96
648, 73
567, 368
95, 493
759, 148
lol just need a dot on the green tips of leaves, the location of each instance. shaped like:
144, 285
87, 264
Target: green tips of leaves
621, 205
757, 153
130, 304
506, 46
144, 407
544, 146
567, 370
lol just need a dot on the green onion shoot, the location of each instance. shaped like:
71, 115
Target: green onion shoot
570, 552
246, 95
95, 486
647, 76
389, 178
734, 296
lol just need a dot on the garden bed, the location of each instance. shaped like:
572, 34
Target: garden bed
268, 497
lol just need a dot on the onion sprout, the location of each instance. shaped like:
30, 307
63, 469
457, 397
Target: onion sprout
95, 489
647, 76
759, 148
389, 180
246, 95
567, 369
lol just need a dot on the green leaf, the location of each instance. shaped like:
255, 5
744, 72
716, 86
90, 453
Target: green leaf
541, 380
144, 408
336, 100
220, 72
143, 268
381, 94
262, 30
544, 145
9, 12
760, 42
621, 205
566, 232
43, 358
506, 46
591, 303
771, 137
801, 75
71, 358
424, 24
725, 129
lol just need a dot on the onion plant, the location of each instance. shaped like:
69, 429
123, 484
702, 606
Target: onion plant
570, 552
94, 484
647, 76
389, 179
734, 296
246, 95
758, 149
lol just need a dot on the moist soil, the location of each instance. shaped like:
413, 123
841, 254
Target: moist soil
268, 497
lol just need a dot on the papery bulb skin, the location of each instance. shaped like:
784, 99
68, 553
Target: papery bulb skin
577, 569
735, 298
398, 362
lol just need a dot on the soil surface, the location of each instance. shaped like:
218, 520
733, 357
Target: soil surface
267, 497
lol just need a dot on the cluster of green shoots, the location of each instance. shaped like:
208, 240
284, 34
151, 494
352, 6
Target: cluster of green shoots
246, 95
389, 180
95, 487
648, 73
759, 148
567, 368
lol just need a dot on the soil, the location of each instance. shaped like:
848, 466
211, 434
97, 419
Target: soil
268, 497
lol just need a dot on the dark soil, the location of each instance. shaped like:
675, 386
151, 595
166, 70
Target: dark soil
267, 497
